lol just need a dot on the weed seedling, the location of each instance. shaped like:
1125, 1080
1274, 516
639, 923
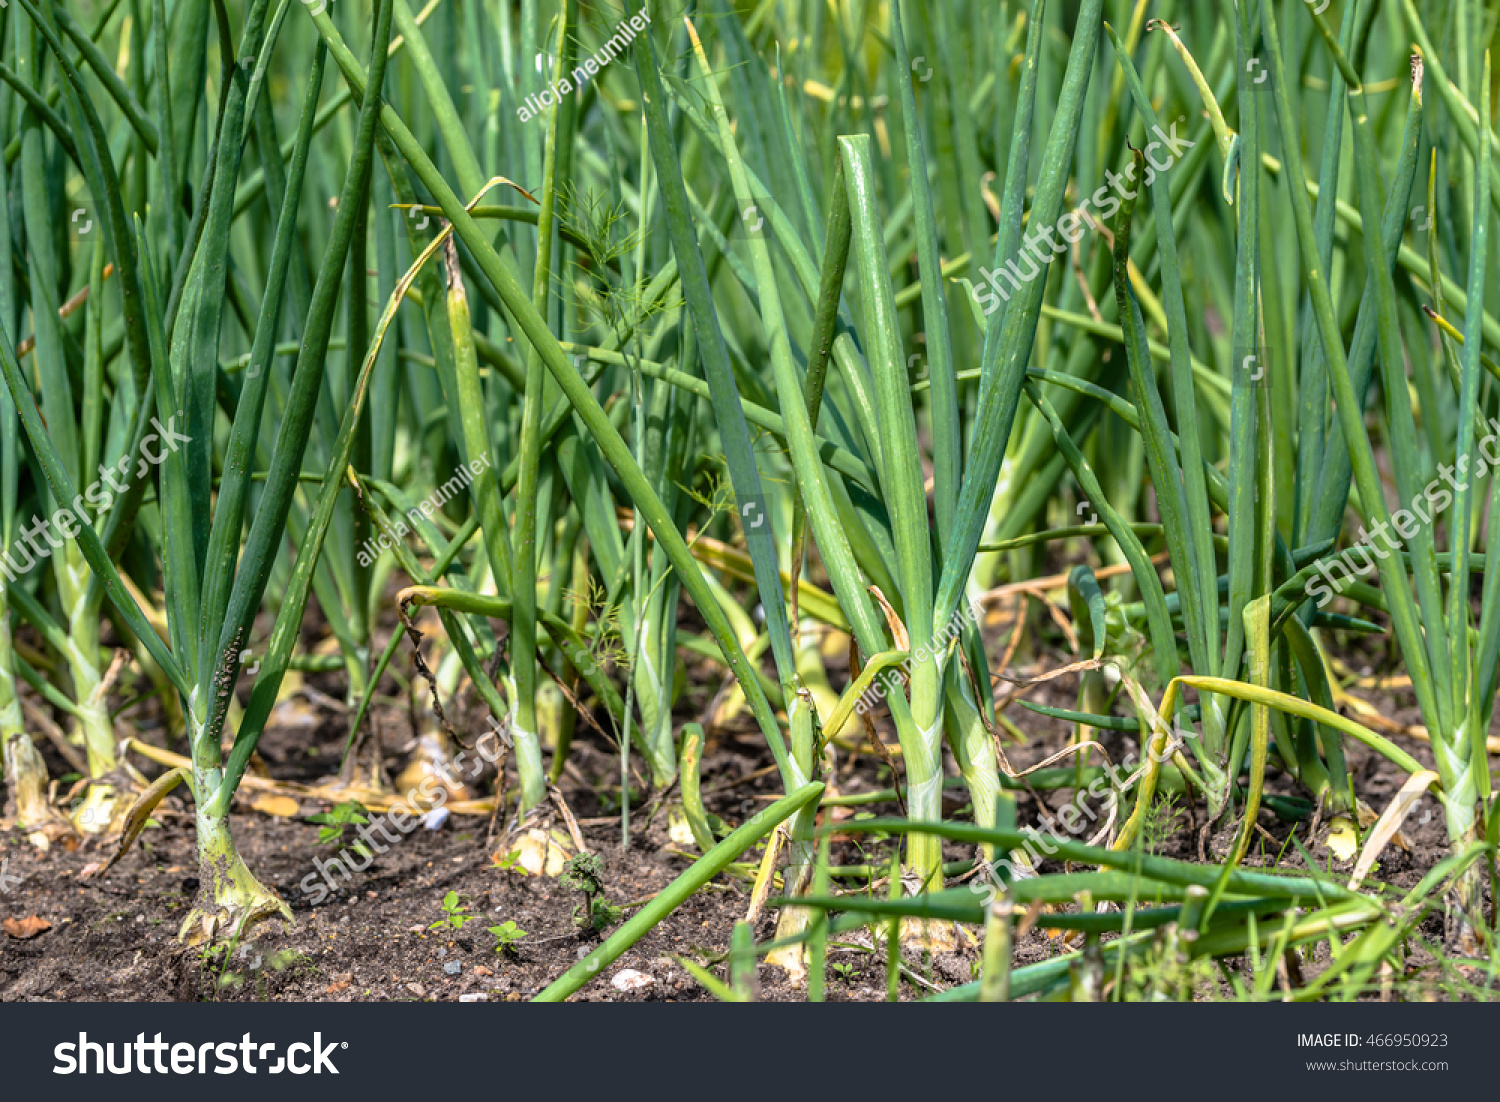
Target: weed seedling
333, 824
507, 936
511, 862
453, 913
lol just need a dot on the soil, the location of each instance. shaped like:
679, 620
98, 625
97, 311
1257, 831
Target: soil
380, 936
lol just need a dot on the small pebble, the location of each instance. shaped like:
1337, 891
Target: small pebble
442, 952
417, 989
453, 968
474, 997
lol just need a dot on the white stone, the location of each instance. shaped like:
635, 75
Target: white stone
628, 979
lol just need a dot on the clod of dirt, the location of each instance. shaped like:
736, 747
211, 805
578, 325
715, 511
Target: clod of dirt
23, 929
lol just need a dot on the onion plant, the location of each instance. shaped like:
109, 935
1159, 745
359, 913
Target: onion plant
797, 338
213, 582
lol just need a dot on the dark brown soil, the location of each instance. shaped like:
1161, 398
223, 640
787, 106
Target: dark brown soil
114, 938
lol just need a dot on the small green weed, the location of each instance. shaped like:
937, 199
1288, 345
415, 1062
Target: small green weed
454, 917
